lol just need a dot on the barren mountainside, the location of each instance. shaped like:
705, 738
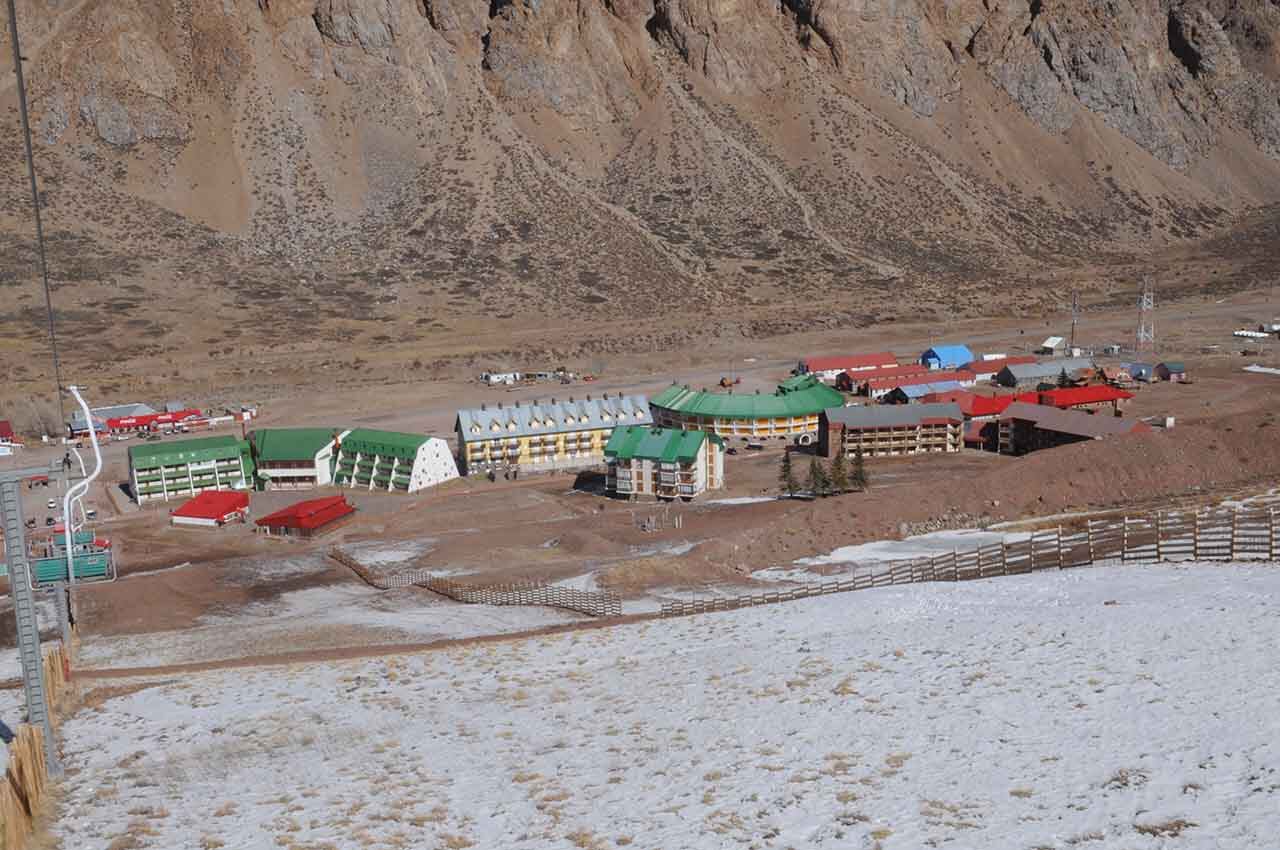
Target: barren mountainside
433, 173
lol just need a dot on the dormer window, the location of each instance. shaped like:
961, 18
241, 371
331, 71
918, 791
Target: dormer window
511, 426
475, 429
495, 427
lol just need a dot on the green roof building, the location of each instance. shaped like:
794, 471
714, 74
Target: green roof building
790, 412
182, 468
294, 458
391, 460
666, 463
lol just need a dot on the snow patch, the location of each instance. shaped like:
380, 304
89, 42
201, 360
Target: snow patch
1086, 708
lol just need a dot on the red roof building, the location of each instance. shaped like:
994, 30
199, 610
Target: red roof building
856, 381
6, 431
975, 406
152, 421
213, 508
1093, 397
880, 386
828, 368
306, 518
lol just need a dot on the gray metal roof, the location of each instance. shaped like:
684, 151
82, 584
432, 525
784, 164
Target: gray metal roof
102, 414
918, 390
893, 415
1077, 422
551, 417
1047, 368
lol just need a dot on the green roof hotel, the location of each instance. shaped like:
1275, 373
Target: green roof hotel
180, 469
790, 412
666, 463
293, 458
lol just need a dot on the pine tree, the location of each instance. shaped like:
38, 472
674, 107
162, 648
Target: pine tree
787, 477
858, 478
1064, 380
818, 483
839, 475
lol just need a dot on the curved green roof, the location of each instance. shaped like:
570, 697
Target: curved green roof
803, 395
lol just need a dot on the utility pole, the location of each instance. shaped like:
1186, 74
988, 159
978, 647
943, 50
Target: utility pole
1075, 315
35, 202
1146, 335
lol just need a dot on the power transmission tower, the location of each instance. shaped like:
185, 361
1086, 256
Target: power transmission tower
1146, 338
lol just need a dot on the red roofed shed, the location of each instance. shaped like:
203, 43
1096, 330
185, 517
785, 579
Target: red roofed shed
6, 431
306, 518
213, 508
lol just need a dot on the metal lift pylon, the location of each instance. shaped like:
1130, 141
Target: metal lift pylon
24, 606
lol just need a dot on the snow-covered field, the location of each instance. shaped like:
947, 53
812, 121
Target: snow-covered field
1112, 708
315, 618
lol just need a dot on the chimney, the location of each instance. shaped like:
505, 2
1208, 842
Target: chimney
482, 406
499, 405
570, 399
588, 396
553, 399
517, 402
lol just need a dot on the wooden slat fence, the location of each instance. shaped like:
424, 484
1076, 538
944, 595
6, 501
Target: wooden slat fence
1206, 535
593, 603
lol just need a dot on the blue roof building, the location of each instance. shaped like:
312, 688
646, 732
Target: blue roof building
947, 356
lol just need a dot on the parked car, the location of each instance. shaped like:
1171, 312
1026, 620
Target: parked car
731, 451
48, 520
52, 504
91, 513
756, 447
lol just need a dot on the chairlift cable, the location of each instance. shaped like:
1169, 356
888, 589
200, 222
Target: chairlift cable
35, 203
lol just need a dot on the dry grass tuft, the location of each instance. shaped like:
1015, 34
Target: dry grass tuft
1165, 829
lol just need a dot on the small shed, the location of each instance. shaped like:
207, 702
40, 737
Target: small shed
1054, 346
6, 432
304, 519
946, 356
1172, 370
212, 509
1144, 372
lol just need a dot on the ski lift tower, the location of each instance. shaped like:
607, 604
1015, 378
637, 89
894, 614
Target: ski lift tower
24, 605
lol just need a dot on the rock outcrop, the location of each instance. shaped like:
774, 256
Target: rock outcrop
557, 153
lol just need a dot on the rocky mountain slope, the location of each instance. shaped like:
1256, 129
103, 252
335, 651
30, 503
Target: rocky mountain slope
434, 173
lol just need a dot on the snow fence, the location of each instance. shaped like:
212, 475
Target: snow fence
593, 603
1208, 535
